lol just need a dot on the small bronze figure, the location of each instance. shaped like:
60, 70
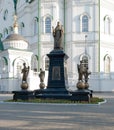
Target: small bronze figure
58, 36
42, 76
80, 72
83, 74
86, 75
25, 72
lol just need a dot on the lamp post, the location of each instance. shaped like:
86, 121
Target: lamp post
85, 44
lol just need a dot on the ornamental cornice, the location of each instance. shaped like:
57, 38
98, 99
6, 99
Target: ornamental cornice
83, 2
20, 53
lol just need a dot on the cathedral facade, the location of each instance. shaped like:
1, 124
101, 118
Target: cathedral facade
88, 31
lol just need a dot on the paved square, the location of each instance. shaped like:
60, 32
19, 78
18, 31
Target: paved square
23, 116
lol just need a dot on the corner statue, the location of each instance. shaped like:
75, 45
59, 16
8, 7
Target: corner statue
42, 76
83, 74
83, 71
58, 36
25, 72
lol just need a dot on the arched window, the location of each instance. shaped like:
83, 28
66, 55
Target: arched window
48, 25
5, 14
46, 63
22, 25
107, 61
35, 26
107, 22
3, 64
18, 66
34, 63
85, 23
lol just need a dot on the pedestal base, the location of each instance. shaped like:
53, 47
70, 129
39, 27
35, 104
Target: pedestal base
23, 95
57, 77
53, 93
81, 95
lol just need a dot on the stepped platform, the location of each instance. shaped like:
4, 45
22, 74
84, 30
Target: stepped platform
53, 93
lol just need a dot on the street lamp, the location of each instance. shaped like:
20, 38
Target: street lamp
85, 44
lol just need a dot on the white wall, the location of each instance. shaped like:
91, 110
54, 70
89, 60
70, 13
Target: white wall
75, 40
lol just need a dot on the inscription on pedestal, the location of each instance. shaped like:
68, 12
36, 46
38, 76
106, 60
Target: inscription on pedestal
56, 73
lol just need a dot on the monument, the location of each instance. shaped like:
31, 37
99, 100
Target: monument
57, 78
83, 74
24, 94
83, 93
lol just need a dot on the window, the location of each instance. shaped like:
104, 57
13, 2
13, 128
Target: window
84, 23
46, 63
3, 64
35, 25
18, 66
34, 63
107, 60
48, 25
22, 28
5, 14
107, 24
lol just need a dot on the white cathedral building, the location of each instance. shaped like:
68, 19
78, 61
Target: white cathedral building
88, 31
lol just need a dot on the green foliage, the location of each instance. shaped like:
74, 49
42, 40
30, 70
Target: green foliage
94, 100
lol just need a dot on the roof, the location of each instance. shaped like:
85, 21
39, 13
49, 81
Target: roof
13, 37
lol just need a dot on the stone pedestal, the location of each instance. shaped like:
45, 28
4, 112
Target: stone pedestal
57, 69
81, 95
23, 95
57, 78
